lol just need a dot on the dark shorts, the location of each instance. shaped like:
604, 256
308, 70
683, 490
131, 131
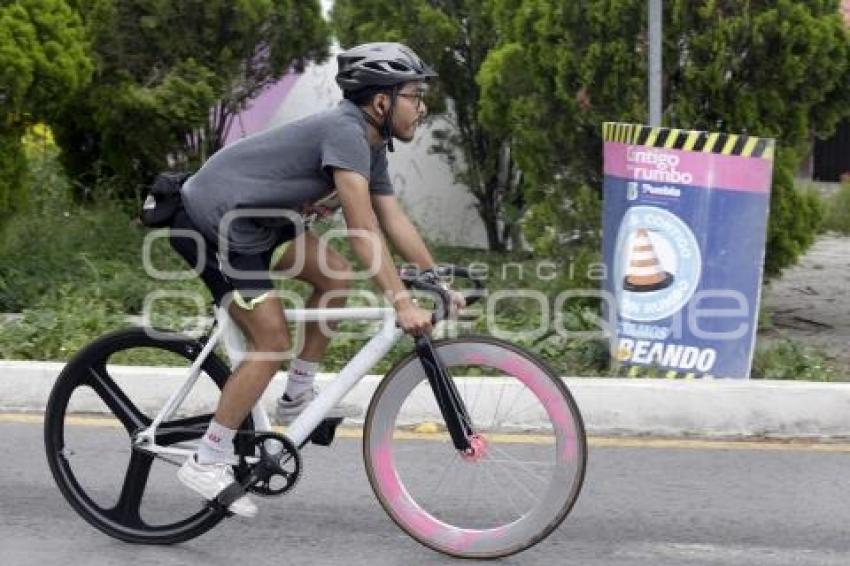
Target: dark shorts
248, 279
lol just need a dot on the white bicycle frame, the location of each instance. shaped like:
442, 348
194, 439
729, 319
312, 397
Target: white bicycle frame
306, 422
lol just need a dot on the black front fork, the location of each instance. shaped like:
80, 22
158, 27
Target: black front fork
451, 405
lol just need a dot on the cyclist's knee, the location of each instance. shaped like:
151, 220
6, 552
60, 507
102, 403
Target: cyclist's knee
275, 342
263, 324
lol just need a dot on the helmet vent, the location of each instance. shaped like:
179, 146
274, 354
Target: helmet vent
375, 66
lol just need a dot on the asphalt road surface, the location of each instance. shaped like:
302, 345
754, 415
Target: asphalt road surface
644, 502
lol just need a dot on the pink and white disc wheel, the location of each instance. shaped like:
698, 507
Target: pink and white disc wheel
523, 473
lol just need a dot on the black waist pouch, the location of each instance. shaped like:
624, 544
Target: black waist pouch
163, 200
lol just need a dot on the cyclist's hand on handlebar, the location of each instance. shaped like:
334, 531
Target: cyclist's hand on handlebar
414, 320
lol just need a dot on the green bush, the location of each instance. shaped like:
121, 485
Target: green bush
791, 360
837, 216
795, 218
96, 249
12, 173
43, 62
44, 249
56, 327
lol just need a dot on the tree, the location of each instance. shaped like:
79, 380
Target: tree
775, 68
43, 60
456, 38
172, 76
781, 69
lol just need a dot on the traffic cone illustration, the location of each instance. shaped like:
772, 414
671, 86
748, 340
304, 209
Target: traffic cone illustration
645, 273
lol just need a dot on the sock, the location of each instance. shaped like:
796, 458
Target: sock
302, 374
217, 445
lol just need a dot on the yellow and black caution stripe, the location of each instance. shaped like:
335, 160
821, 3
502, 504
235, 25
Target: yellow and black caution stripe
654, 372
689, 140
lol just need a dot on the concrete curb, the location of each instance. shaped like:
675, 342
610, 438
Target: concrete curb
628, 407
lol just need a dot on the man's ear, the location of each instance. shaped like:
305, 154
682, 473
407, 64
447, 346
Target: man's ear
380, 103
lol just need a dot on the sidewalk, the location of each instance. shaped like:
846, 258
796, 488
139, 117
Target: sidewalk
625, 407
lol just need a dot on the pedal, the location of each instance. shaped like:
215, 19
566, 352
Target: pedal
323, 435
224, 499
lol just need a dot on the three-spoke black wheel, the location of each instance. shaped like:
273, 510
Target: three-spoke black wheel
116, 485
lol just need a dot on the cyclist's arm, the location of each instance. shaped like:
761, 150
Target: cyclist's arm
406, 238
401, 232
353, 191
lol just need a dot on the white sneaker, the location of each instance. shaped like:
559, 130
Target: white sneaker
288, 409
210, 479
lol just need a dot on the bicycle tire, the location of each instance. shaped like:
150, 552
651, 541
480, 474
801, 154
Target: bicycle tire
88, 369
386, 432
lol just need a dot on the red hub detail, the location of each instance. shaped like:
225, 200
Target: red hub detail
477, 449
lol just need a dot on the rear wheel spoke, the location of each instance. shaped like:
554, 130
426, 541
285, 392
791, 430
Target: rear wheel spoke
124, 410
135, 481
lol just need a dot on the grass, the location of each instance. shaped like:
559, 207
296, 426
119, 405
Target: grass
791, 360
837, 217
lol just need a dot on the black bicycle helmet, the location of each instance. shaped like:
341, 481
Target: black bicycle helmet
380, 64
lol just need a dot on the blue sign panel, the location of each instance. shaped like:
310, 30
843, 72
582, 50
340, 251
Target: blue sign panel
685, 222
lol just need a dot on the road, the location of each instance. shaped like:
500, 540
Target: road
645, 502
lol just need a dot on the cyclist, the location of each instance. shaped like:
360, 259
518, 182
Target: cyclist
242, 202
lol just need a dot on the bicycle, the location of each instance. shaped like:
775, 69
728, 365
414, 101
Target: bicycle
503, 481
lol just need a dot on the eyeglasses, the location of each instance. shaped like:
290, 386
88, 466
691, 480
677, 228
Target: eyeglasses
418, 97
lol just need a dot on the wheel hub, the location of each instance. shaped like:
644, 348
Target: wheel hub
478, 449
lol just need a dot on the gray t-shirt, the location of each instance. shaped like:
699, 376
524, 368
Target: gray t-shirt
288, 167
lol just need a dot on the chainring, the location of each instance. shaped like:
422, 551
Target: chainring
276, 471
